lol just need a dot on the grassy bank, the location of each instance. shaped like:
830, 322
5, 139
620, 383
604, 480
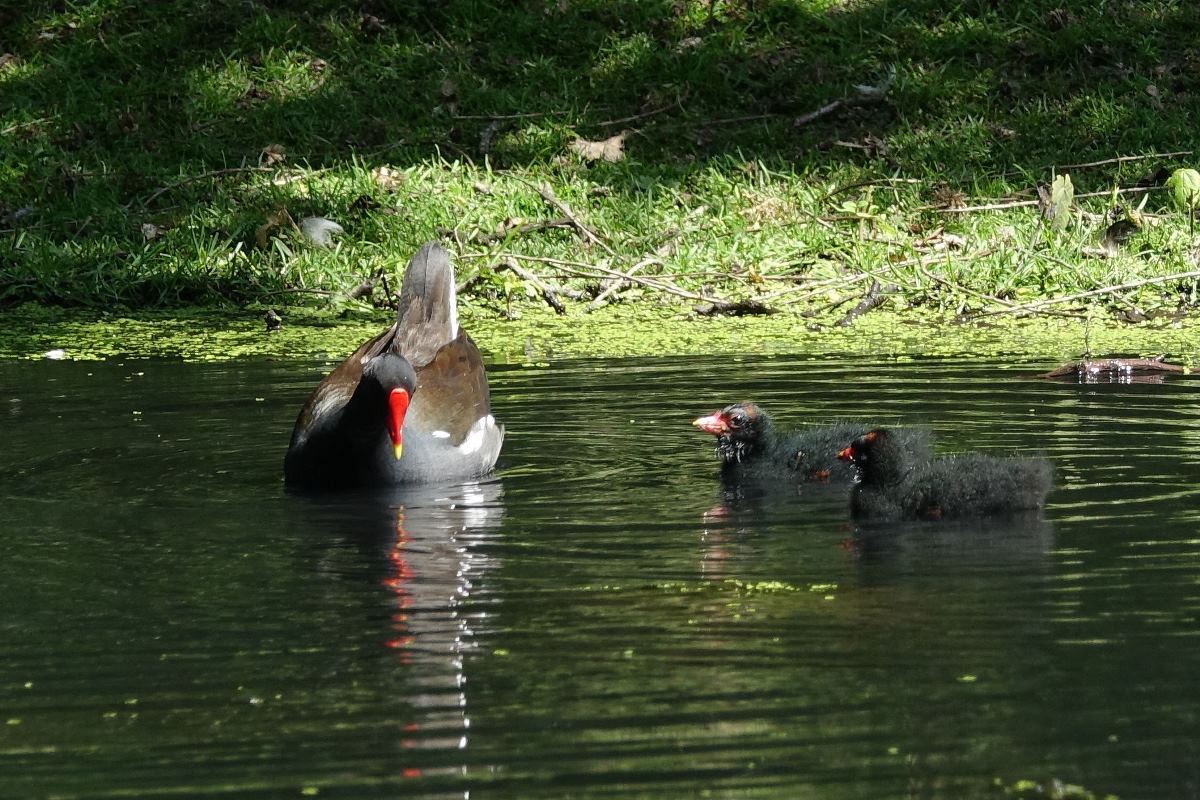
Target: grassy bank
785, 155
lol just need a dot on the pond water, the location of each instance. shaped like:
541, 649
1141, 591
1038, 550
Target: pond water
599, 619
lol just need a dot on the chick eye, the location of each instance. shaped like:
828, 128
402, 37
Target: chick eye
738, 419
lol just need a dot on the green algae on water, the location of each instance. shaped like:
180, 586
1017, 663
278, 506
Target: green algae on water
539, 337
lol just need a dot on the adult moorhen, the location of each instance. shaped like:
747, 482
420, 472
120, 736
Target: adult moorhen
893, 485
750, 447
409, 406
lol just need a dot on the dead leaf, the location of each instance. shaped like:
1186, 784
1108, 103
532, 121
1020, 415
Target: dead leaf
449, 89
611, 149
318, 65
8, 61
1152, 90
271, 155
128, 122
275, 220
388, 178
689, 43
150, 231
949, 197
481, 188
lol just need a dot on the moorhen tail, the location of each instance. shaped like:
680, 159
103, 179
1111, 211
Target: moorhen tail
894, 485
750, 447
409, 406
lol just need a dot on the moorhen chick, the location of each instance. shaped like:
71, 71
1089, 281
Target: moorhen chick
894, 485
750, 447
409, 406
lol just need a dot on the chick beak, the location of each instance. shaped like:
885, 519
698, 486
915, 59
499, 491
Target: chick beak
713, 423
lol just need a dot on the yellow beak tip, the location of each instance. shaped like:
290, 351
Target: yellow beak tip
398, 449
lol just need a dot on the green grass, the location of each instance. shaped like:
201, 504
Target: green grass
115, 115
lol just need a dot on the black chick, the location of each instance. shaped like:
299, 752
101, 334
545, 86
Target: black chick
893, 484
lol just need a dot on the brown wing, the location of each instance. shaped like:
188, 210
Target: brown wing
337, 387
452, 391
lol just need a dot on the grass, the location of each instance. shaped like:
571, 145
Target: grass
157, 155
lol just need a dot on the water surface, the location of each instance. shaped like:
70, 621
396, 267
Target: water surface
600, 619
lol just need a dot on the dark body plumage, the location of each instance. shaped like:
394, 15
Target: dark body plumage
894, 485
751, 448
342, 439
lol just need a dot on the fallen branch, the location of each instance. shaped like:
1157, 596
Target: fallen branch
615, 285
584, 270
549, 294
1114, 366
875, 297
550, 197
636, 117
736, 308
1114, 289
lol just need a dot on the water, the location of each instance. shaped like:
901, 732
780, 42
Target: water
599, 620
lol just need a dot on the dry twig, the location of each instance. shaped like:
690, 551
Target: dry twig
1071, 298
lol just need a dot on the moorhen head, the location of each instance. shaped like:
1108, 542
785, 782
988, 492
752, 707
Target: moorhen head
743, 430
895, 483
409, 406
749, 446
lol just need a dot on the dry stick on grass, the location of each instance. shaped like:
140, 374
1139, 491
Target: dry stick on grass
615, 286
1020, 203
216, 173
958, 287
1122, 160
583, 270
1114, 289
499, 236
825, 286
550, 197
549, 294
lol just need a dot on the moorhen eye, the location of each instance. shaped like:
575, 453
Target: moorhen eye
366, 423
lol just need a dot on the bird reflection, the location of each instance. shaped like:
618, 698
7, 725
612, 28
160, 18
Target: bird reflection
1005, 541
433, 562
424, 547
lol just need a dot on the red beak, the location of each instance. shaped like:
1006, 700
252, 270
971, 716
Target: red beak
714, 423
397, 409
847, 454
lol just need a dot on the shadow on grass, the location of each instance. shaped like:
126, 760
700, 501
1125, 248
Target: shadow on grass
109, 101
